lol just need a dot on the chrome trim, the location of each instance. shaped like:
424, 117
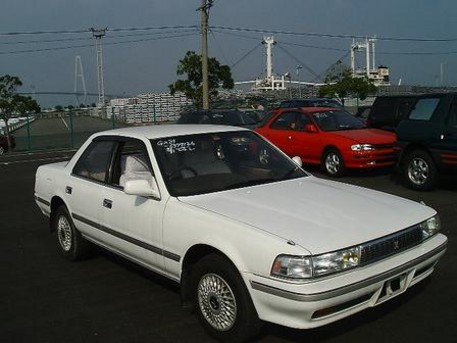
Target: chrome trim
127, 238
349, 288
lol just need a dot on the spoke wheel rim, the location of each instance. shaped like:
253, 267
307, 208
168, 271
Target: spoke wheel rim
332, 163
64, 233
418, 171
217, 302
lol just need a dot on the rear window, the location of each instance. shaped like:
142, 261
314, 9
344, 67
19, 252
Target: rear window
424, 109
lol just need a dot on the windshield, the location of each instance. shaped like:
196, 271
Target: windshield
205, 163
337, 120
231, 118
326, 103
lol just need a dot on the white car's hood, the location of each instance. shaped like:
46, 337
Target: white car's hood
319, 215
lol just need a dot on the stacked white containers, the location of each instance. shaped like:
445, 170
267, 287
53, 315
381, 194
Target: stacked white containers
148, 108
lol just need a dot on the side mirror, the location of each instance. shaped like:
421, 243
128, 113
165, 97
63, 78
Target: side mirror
142, 188
310, 128
298, 161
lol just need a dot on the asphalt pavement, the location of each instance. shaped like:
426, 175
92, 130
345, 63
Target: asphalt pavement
45, 298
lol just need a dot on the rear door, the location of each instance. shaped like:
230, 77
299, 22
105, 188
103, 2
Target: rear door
448, 138
85, 188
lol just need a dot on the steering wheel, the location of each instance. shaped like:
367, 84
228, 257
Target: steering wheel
182, 173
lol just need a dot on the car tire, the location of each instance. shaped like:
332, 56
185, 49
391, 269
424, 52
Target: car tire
419, 171
70, 242
333, 163
222, 302
2, 150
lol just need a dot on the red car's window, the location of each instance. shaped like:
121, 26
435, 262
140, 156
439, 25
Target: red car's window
285, 121
337, 120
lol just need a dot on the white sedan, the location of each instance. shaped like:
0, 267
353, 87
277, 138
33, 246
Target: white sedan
246, 232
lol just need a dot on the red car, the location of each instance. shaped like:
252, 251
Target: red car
331, 137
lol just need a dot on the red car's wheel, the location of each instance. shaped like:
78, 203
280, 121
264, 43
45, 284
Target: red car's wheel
333, 163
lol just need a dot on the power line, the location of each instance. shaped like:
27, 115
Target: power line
90, 45
110, 37
324, 35
234, 29
126, 29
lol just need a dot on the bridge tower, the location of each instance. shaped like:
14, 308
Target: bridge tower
79, 74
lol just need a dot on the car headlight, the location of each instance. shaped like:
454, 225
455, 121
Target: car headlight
292, 267
362, 147
430, 227
305, 267
336, 261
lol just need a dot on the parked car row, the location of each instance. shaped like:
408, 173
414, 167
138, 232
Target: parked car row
417, 133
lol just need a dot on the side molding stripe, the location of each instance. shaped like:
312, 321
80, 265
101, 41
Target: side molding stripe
45, 202
129, 239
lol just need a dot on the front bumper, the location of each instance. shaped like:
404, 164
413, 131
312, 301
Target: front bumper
369, 159
323, 301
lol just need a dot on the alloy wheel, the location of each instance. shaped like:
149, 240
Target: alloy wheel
418, 171
64, 233
217, 302
332, 163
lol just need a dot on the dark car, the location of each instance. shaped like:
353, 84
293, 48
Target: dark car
311, 102
389, 110
363, 113
4, 143
427, 141
218, 116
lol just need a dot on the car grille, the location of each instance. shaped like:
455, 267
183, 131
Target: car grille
390, 245
383, 146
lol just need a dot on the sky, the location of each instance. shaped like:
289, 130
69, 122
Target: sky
145, 39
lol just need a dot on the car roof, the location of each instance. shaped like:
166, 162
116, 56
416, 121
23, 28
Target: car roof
415, 95
167, 130
311, 109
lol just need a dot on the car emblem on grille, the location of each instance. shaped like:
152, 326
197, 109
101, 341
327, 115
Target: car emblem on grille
396, 245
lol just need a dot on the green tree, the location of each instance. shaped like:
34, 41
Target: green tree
342, 84
11, 102
191, 65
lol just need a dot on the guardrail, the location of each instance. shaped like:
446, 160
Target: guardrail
16, 123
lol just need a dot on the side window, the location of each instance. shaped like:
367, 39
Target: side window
132, 162
303, 120
93, 163
383, 109
285, 121
424, 109
404, 106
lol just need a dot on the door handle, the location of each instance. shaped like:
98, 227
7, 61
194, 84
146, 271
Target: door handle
107, 203
68, 189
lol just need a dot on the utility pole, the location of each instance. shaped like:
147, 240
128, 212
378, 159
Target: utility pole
299, 67
99, 34
206, 5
